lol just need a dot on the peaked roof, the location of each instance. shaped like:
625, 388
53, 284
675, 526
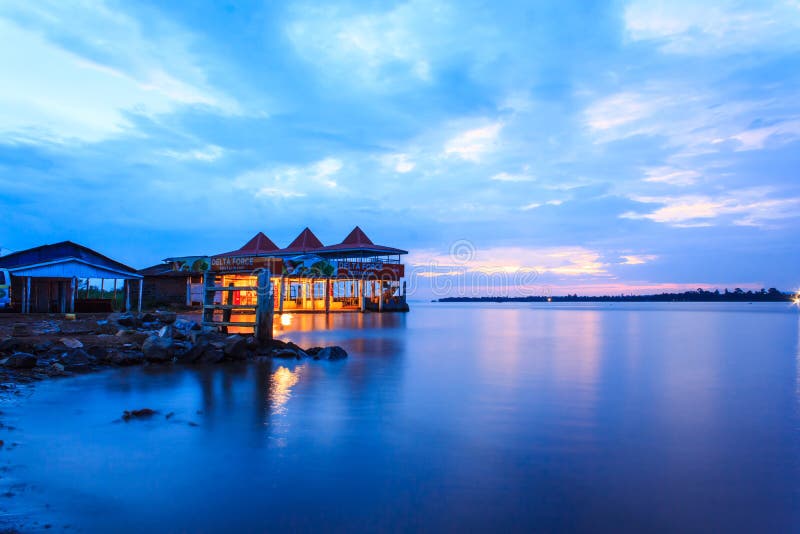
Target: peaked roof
357, 238
357, 241
258, 244
304, 242
58, 252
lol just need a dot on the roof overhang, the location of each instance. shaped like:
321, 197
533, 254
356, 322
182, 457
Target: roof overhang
71, 268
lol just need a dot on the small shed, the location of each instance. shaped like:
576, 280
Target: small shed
167, 284
53, 278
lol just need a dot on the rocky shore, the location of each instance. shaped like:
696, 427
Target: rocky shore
54, 346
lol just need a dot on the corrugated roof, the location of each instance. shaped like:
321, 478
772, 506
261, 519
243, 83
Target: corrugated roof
61, 251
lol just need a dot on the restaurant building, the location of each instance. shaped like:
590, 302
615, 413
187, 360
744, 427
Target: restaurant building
306, 275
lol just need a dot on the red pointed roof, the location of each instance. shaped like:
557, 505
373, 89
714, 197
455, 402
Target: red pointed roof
357, 238
304, 242
258, 244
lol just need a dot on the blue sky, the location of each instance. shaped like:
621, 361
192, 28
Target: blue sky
587, 147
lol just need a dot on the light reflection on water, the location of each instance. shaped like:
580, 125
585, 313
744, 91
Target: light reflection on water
584, 417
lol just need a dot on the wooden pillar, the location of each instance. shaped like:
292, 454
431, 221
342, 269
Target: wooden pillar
361, 295
141, 290
312, 290
228, 296
327, 295
115, 295
380, 295
264, 309
208, 298
73, 286
127, 295
189, 290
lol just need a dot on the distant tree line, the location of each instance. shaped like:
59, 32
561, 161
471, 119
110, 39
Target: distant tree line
698, 295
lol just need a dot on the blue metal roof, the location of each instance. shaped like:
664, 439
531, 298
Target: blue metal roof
60, 252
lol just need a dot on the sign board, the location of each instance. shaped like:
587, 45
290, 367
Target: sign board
245, 264
371, 270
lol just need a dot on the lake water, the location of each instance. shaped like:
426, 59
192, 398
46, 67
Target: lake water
579, 417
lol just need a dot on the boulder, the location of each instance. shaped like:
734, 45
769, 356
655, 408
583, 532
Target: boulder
212, 355
55, 369
71, 343
21, 360
97, 352
165, 331
126, 319
11, 345
166, 317
158, 349
235, 347
331, 353
126, 358
76, 357
44, 346
313, 351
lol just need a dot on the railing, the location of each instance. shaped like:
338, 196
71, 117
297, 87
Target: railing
262, 311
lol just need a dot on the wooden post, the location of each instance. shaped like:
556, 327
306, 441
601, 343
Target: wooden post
127, 295
264, 309
208, 298
73, 286
114, 307
228, 301
141, 290
380, 295
189, 290
327, 295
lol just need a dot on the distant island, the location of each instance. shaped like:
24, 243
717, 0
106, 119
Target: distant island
699, 295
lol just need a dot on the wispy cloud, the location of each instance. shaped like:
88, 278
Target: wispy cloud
73, 86
751, 207
291, 181
473, 144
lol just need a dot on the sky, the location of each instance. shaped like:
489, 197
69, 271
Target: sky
511, 147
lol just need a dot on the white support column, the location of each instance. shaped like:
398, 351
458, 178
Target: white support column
127, 295
141, 288
189, 290
73, 287
281, 293
327, 295
114, 306
361, 295
27, 303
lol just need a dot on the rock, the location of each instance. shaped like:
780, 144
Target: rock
313, 351
212, 355
166, 317
158, 349
183, 324
148, 318
127, 319
21, 360
286, 354
235, 347
165, 331
97, 352
56, 369
76, 360
331, 353
11, 345
20, 330
126, 358
44, 346
137, 414
71, 343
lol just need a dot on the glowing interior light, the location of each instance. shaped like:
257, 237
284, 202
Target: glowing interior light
286, 319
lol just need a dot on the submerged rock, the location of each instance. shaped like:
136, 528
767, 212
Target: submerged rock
134, 414
71, 343
331, 353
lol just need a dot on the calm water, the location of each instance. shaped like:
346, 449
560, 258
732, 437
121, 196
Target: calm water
503, 418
